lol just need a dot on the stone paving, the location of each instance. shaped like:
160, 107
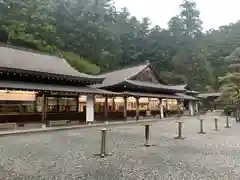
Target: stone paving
70, 155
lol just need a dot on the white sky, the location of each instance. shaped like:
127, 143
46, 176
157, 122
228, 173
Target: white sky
214, 13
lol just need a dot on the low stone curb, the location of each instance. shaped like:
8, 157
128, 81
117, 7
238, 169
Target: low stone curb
48, 129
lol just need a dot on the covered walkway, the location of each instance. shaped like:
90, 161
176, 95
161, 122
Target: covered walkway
39, 88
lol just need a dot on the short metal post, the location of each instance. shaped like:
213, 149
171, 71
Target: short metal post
179, 131
201, 127
147, 135
227, 123
216, 124
104, 142
147, 128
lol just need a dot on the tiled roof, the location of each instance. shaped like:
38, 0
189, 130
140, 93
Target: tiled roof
180, 87
205, 95
124, 76
18, 85
155, 85
152, 95
118, 76
192, 92
15, 58
186, 97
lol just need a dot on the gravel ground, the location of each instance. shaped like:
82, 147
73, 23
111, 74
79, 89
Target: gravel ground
70, 155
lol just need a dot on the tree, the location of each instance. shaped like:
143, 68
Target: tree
98, 37
176, 28
230, 89
191, 19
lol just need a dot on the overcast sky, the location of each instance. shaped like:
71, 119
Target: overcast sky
214, 13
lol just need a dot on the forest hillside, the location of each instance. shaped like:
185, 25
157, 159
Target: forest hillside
95, 37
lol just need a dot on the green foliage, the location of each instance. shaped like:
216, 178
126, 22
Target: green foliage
80, 64
229, 109
97, 37
3, 34
190, 17
230, 83
230, 89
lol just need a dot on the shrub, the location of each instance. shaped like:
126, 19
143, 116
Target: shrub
229, 109
81, 64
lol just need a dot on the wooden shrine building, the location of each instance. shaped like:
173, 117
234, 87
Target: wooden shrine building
141, 82
209, 100
40, 88
51, 83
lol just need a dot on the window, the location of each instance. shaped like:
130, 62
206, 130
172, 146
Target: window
27, 106
62, 104
16, 107
52, 104
67, 104
58, 104
72, 104
172, 104
153, 104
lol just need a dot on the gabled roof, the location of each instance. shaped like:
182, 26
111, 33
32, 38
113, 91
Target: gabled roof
206, 95
124, 76
12, 58
181, 86
192, 92
186, 97
152, 95
119, 76
154, 85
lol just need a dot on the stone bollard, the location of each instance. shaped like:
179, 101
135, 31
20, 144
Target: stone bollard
103, 152
227, 123
147, 135
201, 127
216, 124
179, 131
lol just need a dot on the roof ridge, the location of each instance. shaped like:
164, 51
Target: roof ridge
126, 67
155, 83
145, 82
177, 84
28, 50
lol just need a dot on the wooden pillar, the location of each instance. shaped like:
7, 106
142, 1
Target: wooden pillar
166, 109
58, 106
191, 108
125, 107
113, 104
179, 106
44, 109
148, 108
106, 107
35, 103
77, 101
90, 109
161, 108
197, 106
137, 108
